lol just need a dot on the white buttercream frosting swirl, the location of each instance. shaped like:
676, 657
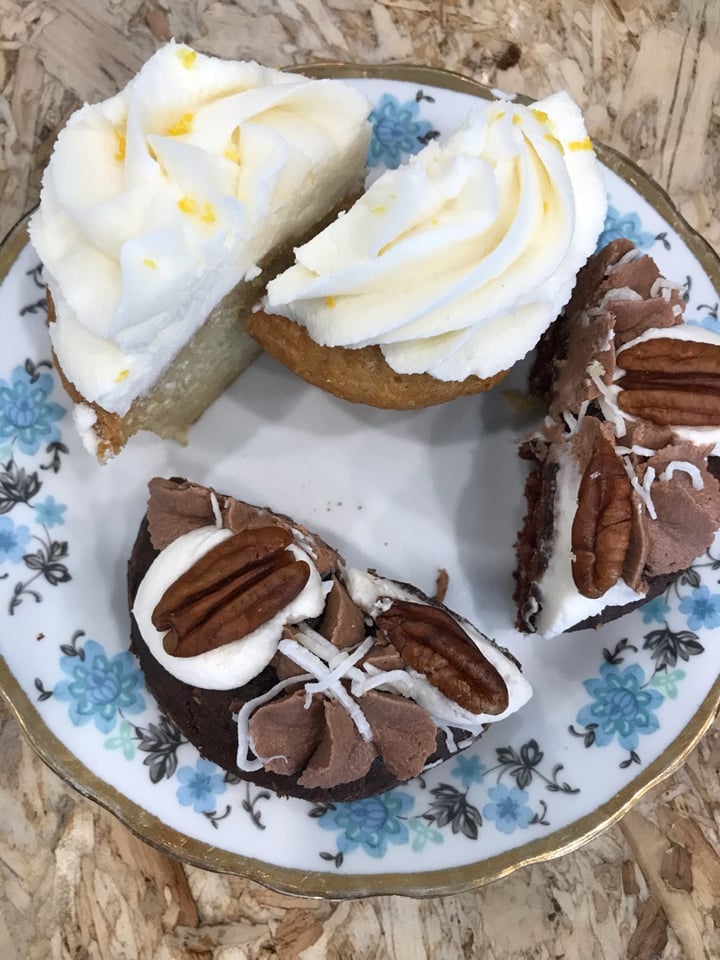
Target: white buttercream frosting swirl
457, 262
158, 201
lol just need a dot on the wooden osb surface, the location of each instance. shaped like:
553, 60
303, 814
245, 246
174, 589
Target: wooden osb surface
73, 882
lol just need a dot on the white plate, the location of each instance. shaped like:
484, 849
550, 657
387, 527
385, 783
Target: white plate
407, 493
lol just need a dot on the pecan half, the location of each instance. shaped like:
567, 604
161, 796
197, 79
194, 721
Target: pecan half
603, 522
236, 587
669, 381
433, 643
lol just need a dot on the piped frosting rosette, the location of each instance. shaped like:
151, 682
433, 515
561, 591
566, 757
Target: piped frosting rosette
456, 263
158, 201
330, 670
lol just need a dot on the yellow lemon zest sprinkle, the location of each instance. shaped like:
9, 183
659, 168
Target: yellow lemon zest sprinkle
545, 206
551, 139
187, 205
380, 209
233, 148
499, 116
187, 57
150, 264
330, 302
540, 116
122, 376
516, 118
119, 146
190, 206
434, 221
580, 144
181, 126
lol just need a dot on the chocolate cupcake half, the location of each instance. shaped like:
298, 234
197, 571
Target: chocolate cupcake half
287, 668
621, 495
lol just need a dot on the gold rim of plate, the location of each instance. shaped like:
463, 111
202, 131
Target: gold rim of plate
423, 883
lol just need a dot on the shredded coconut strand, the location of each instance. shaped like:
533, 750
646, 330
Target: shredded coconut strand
663, 287
637, 450
570, 422
216, 510
620, 293
609, 407
375, 677
339, 667
634, 254
315, 642
642, 490
314, 665
574, 423
687, 467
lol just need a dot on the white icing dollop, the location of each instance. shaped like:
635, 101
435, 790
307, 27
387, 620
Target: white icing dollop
457, 262
233, 664
158, 201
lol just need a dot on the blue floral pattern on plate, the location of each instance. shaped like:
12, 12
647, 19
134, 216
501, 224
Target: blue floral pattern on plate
29, 426
620, 706
508, 808
397, 131
627, 225
511, 787
27, 416
623, 705
100, 688
370, 824
13, 540
199, 785
702, 608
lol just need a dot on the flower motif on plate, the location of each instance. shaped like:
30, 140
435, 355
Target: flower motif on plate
14, 538
29, 421
702, 608
625, 701
99, 687
627, 225
199, 785
27, 415
508, 808
655, 610
50, 512
469, 769
620, 706
397, 131
370, 824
